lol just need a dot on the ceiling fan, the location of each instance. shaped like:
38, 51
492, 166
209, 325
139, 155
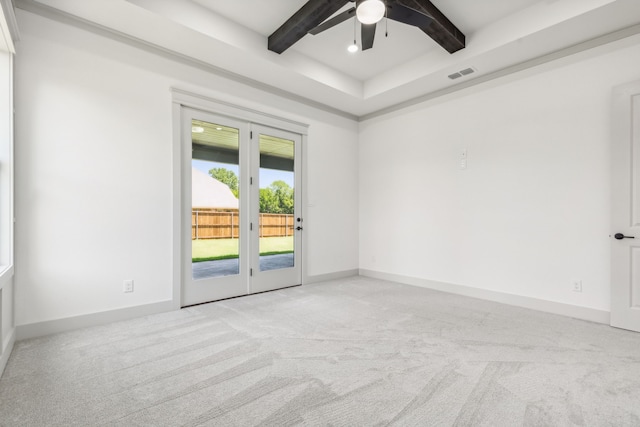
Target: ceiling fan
313, 18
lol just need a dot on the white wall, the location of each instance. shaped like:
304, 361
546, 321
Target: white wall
94, 175
94, 180
529, 214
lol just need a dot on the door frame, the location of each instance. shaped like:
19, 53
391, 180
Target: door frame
182, 98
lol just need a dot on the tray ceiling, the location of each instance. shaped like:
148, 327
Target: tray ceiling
406, 65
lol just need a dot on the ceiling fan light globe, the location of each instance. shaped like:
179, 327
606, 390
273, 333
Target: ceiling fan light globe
370, 11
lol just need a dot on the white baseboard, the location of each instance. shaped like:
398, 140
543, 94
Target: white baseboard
7, 348
34, 330
584, 313
40, 329
330, 276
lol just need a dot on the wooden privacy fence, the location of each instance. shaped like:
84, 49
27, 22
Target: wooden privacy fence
212, 224
276, 225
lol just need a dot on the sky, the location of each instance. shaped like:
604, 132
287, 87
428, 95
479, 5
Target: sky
267, 176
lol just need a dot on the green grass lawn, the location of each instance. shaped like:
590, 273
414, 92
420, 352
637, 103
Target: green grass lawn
214, 249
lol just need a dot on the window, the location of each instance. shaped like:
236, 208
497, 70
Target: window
6, 161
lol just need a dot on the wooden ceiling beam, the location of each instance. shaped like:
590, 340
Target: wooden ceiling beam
312, 14
440, 29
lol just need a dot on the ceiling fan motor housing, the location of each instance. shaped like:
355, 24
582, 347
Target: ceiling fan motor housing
316, 16
370, 11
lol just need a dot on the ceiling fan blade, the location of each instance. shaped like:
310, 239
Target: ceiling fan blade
426, 16
406, 15
333, 21
298, 25
368, 34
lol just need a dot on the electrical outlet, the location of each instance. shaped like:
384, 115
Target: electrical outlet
128, 286
576, 285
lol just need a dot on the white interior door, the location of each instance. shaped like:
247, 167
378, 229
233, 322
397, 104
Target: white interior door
625, 232
215, 241
276, 219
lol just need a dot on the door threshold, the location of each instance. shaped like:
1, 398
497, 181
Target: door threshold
240, 296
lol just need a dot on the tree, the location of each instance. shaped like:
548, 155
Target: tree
268, 201
277, 198
284, 195
227, 177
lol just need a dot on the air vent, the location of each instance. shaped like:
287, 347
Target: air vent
462, 73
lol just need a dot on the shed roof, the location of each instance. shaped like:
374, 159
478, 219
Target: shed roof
208, 192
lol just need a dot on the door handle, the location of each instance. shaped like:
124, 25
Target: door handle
298, 228
621, 236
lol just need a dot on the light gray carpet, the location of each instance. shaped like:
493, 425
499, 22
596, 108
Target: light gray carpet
354, 352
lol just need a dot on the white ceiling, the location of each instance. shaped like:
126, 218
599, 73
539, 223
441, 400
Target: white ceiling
406, 65
263, 17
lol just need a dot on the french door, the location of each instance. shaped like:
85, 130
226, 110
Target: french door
241, 222
275, 179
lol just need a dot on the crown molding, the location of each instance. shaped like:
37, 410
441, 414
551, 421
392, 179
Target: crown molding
592, 47
9, 24
75, 21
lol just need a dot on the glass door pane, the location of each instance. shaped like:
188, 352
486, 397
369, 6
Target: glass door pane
277, 201
215, 207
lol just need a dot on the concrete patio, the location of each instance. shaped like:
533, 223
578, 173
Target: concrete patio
228, 267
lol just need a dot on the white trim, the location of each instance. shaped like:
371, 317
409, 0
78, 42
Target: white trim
176, 244
101, 30
7, 348
10, 18
236, 112
584, 313
304, 209
597, 46
6, 273
49, 327
7, 26
308, 280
